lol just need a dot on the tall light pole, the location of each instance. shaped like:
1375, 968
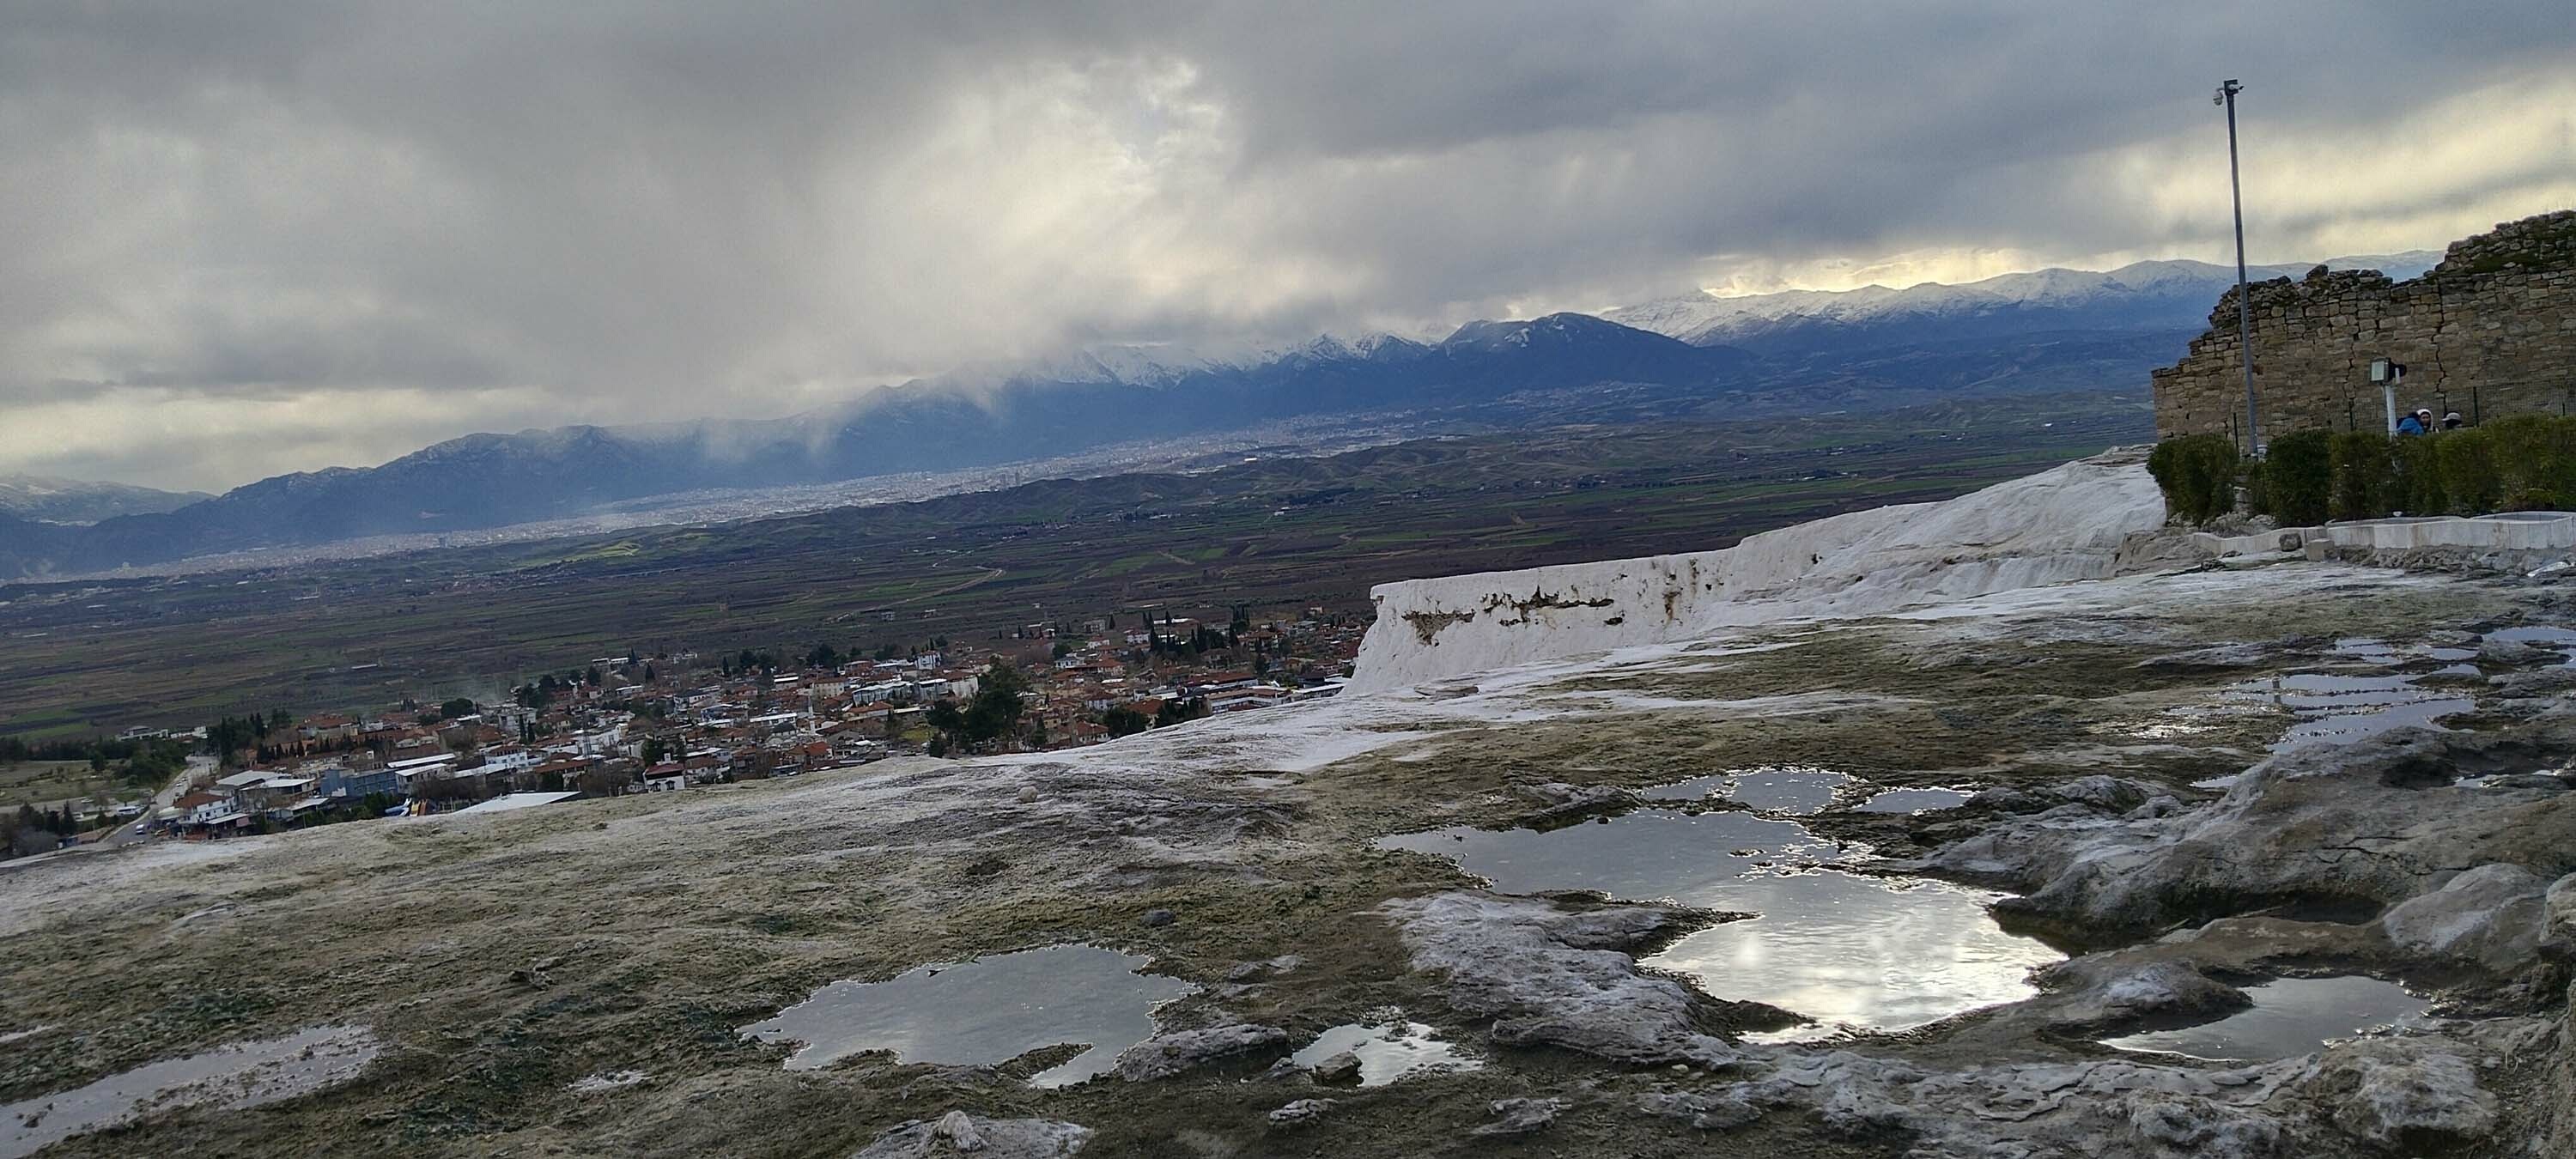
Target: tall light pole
2244, 305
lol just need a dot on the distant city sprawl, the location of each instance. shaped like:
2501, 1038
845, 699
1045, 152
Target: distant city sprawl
665, 722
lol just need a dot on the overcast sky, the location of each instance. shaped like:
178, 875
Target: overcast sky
248, 237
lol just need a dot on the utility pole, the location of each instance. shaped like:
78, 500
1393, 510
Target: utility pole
2244, 305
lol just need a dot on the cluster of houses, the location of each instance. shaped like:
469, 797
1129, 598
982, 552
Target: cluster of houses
671, 722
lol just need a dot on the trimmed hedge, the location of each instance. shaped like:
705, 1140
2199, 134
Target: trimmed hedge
2467, 462
2418, 487
2298, 478
2365, 473
2197, 473
2535, 458
2520, 463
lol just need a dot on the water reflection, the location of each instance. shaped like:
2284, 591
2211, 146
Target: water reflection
1798, 790
2290, 1017
2342, 709
1915, 800
242, 1075
1849, 950
1388, 1050
1642, 855
1857, 952
982, 1012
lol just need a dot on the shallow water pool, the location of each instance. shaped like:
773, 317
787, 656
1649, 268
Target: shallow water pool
982, 1012
1390, 1049
2290, 1017
1852, 951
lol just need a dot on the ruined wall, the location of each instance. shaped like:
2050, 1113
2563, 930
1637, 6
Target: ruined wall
2490, 331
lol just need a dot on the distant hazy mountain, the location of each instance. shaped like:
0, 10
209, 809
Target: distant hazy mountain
2164, 295
45, 499
2050, 330
978, 417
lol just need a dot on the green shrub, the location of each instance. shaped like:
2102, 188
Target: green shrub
2198, 476
2298, 478
2365, 475
2535, 459
2467, 463
2419, 476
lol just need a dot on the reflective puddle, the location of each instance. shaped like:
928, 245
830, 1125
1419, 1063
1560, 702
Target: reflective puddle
1796, 790
231, 1077
1389, 1049
1915, 800
2341, 709
2290, 1017
1642, 855
987, 1011
1853, 952
2538, 636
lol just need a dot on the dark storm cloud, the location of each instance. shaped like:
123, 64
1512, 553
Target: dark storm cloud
300, 233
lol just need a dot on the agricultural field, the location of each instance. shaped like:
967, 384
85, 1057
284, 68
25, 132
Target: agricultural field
43, 783
1276, 533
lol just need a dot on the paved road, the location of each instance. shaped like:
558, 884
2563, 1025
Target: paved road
124, 833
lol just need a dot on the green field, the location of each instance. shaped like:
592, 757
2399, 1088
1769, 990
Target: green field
1275, 533
45, 782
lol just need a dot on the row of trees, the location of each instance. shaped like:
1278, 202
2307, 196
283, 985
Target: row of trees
35, 831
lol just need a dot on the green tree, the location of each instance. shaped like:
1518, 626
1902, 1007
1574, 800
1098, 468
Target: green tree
451, 709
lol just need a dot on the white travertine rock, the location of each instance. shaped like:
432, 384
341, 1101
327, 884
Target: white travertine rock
2053, 527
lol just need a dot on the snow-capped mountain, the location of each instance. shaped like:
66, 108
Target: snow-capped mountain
2154, 295
2050, 330
978, 417
45, 499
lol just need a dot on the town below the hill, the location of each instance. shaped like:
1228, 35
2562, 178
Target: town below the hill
671, 721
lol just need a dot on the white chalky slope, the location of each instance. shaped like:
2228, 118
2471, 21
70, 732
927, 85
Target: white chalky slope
2063, 524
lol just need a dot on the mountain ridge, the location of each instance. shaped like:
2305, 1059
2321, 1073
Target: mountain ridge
51, 499
2052, 329
485, 479
2141, 295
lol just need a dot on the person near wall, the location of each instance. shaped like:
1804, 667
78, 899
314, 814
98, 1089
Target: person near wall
2453, 421
2415, 424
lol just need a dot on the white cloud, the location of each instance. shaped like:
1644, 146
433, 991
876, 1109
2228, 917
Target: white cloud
304, 234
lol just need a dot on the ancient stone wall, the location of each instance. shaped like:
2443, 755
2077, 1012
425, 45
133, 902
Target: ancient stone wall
2490, 331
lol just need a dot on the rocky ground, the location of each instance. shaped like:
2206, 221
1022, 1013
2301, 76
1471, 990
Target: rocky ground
573, 980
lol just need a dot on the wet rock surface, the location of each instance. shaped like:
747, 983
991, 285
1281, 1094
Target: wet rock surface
1165, 1055
959, 1133
2491, 915
1520, 1116
1556, 977
1301, 1113
2433, 856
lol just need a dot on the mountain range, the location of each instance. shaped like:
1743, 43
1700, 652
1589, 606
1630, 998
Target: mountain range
2049, 330
2154, 295
46, 499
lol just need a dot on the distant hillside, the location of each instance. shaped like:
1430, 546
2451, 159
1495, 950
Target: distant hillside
490, 480
2144, 296
49, 500
2051, 331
